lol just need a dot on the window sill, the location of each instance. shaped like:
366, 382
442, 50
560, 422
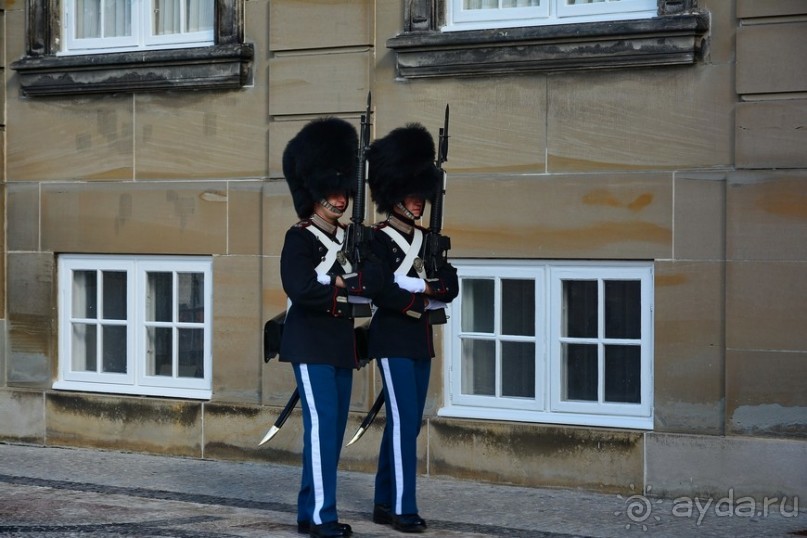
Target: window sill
132, 390
565, 419
666, 40
203, 68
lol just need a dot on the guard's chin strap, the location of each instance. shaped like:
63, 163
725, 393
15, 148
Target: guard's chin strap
330, 207
405, 212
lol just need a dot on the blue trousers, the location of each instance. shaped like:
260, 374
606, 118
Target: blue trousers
406, 382
325, 398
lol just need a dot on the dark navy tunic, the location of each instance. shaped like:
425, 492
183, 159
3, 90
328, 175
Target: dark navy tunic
318, 327
400, 326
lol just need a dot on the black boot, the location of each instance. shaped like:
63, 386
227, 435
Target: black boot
408, 523
332, 529
382, 514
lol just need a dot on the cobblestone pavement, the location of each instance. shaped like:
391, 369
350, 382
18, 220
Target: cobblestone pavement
50, 492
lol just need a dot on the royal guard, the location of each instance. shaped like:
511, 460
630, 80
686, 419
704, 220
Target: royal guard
318, 337
402, 177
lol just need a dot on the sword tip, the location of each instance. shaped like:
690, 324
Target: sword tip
271, 433
356, 436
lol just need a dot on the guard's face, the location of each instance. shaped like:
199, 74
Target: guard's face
338, 201
415, 205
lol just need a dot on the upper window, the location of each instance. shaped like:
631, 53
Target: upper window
135, 325
478, 14
118, 25
552, 342
460, 38
113, 46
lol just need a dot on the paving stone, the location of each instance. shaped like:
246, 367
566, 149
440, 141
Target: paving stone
48, 492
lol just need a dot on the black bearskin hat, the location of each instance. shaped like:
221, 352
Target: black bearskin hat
402, 164
319, 161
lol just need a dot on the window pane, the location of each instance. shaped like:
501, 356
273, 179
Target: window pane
623, 309
159, 296
199, 15
480, 4
518, 369
159, 351
85, 294
117, 18
114, 349
85, 348
623, 381
518, 307
114, 294
88, 19
580, 372
477, 305
191, 353
580, 308
521, 3
191, 297
181, 16
167, 17
494, 4
479, 367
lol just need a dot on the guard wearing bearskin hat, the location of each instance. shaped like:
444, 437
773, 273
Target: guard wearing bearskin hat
402, 177
319, 164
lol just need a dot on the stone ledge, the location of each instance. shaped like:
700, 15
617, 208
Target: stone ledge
203, 68
668, 40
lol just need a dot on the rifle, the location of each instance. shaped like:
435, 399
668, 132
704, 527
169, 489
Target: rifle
435, 254
437, 245
435, 258
356, 237
357, 234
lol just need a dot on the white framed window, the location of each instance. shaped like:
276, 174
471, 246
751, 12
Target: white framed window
554, 342
102, 26
481, 14
135, 325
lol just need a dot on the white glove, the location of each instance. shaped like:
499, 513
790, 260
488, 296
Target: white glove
410, 283
358, 299
324, 279
435, 305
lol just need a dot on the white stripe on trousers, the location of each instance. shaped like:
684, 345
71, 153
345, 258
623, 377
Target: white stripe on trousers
397, 460
316, 458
